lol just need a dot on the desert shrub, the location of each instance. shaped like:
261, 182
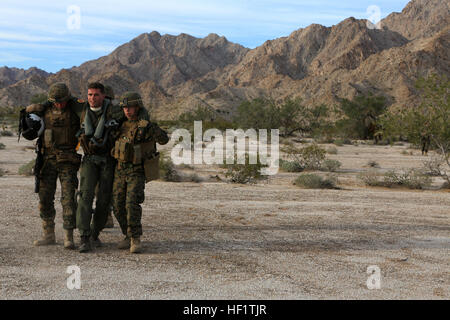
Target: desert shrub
2, 146
193, 178
290, 166
409, 178
339, 142
314, 181
27, 169
331, 165
245, 173
309, 158
2, 172
445, 185
6, 133
167, 169
332, 150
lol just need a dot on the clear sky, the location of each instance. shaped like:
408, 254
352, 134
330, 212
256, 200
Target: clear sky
52, 35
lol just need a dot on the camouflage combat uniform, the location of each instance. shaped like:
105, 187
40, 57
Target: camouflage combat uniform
60, 160
130, 176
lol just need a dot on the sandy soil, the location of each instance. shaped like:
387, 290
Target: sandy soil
215, 240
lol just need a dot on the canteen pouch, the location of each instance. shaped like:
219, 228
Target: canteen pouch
151, 168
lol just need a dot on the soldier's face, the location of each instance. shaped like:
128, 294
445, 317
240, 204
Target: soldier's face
131, 112
60, 105
95, 98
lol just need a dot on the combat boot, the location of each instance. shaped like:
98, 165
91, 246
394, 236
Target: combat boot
85, 244
110, 221
124, 244
68, 239
49, 234
135, 245
96, 243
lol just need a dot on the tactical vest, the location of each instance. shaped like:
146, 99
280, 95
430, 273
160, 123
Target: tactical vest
60, 131
130, 148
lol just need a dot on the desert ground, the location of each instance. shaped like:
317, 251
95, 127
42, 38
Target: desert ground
218, 240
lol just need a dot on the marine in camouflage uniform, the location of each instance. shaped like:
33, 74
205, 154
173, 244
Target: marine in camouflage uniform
61, 119
98, 165
135, 151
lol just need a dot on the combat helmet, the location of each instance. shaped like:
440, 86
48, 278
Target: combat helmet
109, 93
131, 99
58, 92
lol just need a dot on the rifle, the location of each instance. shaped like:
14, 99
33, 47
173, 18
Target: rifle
38, 165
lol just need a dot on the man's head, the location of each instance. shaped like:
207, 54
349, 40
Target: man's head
96, 95
131, 102
59, 94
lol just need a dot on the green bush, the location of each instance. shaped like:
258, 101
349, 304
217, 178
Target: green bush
2, 172
314, 181
408, 178
290, 166
6, 133
167, 169
332, 150
2, 146
245, 173
309, 158
27, 169
331, 165
339, 142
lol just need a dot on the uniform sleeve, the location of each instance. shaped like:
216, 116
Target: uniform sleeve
77, 106
157, 133
36, 109
116, 113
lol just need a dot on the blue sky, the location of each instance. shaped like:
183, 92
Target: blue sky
51, 35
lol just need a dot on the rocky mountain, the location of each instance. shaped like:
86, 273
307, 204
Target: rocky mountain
319, 64
9, 76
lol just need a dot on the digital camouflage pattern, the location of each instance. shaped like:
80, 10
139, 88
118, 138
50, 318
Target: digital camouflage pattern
67, 173
129, 180
128, 195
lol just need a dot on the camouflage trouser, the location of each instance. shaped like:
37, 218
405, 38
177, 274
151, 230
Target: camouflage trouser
128, 194
94, 170
67, 173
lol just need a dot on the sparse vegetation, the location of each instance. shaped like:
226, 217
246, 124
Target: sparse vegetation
167, 169
309, 158
331, 165
245, 173
290, 166
332, 150
314, 181
360, 116
27, 169
289, 117
6, 133
428, 121
2, 146
2, 172
408, 178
